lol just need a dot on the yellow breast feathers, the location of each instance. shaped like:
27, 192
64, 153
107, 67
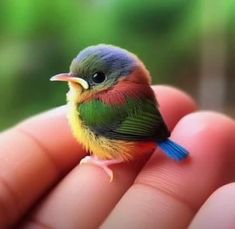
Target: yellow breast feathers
99, 146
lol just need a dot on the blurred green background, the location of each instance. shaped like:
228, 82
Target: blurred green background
189, 44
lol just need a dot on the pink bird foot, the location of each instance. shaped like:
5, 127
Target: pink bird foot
102, 164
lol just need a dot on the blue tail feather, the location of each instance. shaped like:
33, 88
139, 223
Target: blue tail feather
173, 150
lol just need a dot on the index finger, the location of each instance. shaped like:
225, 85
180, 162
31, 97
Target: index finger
33, 156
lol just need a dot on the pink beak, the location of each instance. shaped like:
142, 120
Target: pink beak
70, 78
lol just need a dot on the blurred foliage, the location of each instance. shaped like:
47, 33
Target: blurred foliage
39, 38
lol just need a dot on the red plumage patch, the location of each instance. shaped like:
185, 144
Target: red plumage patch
123, 89
136, 86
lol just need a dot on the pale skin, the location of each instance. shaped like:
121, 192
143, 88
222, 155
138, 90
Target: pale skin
43, 185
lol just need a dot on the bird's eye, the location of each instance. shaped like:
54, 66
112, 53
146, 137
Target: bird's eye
98, 77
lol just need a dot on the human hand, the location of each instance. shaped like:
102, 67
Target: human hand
42, 185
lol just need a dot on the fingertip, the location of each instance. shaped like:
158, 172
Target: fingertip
218, 211
51, 130
206, 126
168, 92
33, 156
173, 103
209, 137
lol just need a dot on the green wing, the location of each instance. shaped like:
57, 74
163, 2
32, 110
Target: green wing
134, 120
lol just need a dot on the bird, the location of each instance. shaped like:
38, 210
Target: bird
112, 109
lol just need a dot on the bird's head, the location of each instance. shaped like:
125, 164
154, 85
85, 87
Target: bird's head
101, 67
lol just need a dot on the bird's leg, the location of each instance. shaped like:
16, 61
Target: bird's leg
102, 164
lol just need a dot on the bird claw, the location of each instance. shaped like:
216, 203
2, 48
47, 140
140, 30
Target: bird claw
102, 164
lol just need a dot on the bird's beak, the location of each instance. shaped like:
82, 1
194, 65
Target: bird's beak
70, 78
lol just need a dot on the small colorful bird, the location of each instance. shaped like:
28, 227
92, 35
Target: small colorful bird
113, 112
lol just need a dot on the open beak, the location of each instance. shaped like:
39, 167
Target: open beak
70, 78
